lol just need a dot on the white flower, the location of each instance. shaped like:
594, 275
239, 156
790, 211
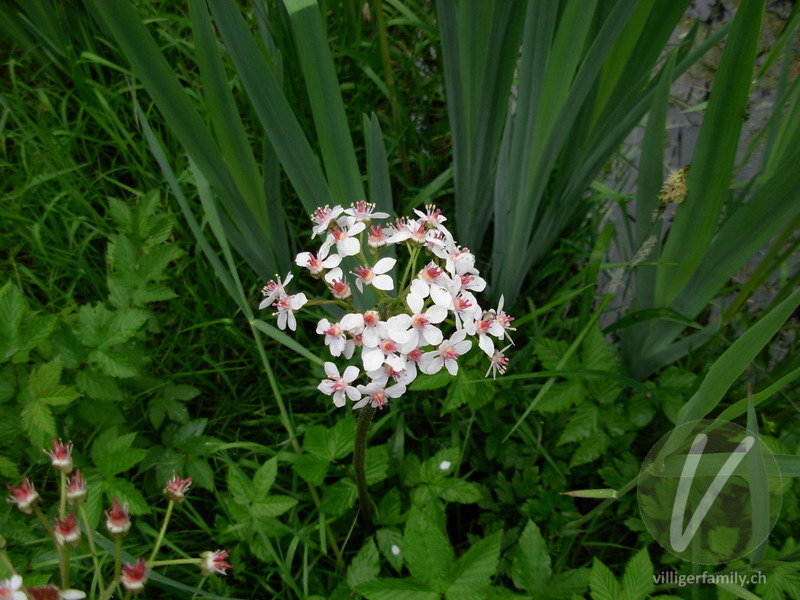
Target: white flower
484, 326
319, 263
11, 588
432, 281
374, 329
446, 354
377, 237
385, 352
334, 336
273, 291
323, 217
339, 386
363, 211
504, 320
499, 363
339, 286
346, 244
287, 306
466, 309
376, 394
419, 328
375, 275
432, 216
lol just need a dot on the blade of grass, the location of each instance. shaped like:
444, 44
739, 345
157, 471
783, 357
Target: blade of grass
759, 491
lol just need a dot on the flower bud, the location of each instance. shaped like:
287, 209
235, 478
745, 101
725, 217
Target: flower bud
118, 520
25, 497
214, 562
176, 488
76, 489
61, 456
134, 576
67, 531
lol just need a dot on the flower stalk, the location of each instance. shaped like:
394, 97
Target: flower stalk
360, 462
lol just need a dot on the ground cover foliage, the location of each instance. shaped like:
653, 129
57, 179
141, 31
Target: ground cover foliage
160, 160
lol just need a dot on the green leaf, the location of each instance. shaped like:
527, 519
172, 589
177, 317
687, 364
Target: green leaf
265, 477
431, 382
311, 468
113, 363
550, 352
98, 386
126, 491
339, 498
272, 506
318, 441
390, 542
365, 566
122, 326
397, 589
561, 396
8, 469
240, 486
428, 553
342, 437
114, 454
468, 387
12, 310
38, 422
580, 426
44, 386
458, 490
602, 582
530, 568
8, 383
637, 582
377, 464
476, 567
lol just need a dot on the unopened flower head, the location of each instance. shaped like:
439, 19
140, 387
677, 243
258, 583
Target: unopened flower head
176, 488
213, 563
61, 456
51, 592
76, 489
118, 519
427, 314
25, 496
134, 576
66, 531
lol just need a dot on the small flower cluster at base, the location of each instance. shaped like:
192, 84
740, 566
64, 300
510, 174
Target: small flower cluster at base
67, 532
406, 333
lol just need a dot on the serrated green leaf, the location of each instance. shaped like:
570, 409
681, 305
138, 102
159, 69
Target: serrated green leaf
530, 568
153, 292
390, 542
561, 396
35, 329
44, 376
432, 382
126, 491
439, 466
428, 553
58, 395
318, 441
265, 477
8, 469
112, 363
458, 490
377, 464
311, 468
590, 449
467, 388
98, 386
365, 566
603, 584
123, 325
476, 567
550, 352
120, 212
397, 589
272, 506
339, 498
92, 323
239, 485
343, 437
113, 453
390, 509
200, 471
154, 262
581, 425
8, 384
637, 582
38, 422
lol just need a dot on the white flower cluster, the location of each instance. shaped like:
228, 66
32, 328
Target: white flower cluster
403, 334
